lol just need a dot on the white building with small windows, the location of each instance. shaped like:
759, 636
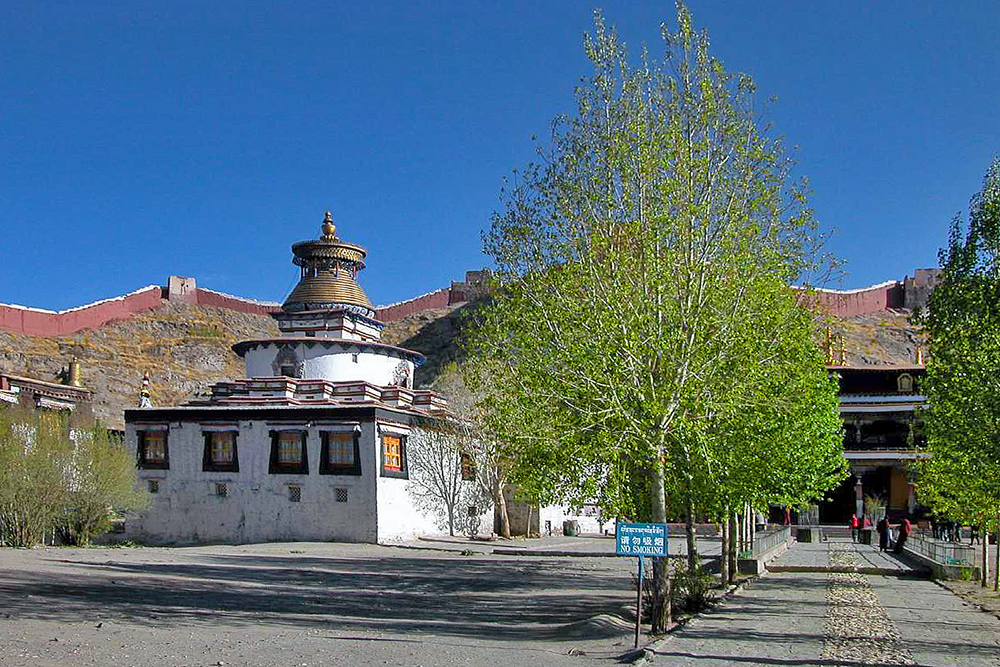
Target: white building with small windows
311, 445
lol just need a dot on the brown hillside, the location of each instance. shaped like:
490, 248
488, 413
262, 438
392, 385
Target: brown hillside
186, 348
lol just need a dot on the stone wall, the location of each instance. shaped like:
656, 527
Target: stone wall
39, 322
848, 303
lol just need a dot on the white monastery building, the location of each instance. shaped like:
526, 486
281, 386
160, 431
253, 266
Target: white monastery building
311, 445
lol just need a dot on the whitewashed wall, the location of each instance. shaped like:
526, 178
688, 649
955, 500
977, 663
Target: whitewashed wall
257, 509
398, 516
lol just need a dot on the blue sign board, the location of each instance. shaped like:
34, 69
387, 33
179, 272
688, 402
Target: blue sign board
641, 539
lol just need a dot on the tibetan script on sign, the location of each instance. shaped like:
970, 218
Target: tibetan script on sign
641, 539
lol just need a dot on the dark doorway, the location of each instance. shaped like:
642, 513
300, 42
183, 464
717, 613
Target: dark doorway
837, 508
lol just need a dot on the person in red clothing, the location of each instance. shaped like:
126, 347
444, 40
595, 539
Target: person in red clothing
904, 533
855, 525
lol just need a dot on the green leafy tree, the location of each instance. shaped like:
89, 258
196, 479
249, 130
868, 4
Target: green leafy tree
50, 480
644, 334
962, 420
103, 485
35, 459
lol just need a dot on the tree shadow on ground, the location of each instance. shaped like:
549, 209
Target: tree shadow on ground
522, 600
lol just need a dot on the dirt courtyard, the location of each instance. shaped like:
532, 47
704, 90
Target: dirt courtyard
308, 604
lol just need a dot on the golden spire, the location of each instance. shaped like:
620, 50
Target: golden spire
828, 346
843, 351
920, 357
329, 229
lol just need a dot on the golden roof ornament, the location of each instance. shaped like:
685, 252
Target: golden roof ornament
329, 268
843, 351
920, 357
329, 229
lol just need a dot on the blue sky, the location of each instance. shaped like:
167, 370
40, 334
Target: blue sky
140, 140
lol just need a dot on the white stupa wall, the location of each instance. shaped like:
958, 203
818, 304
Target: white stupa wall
330, 362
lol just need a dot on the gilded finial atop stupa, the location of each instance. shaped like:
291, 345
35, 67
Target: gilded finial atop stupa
329, 229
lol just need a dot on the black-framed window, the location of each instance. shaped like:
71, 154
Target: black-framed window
152, 450
289, 453
340, 453
221, 453
393, 447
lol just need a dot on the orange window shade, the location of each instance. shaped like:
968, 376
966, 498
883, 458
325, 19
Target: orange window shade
392, 452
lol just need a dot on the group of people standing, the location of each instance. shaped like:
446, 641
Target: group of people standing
886, 532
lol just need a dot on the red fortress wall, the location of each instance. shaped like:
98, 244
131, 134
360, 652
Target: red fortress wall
874, 299
38, 322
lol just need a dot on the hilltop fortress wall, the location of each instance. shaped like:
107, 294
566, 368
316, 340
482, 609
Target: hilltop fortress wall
909, 294
40, 322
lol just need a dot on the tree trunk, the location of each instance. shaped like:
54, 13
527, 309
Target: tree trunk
731, 555
724, 549
451, 520
504, 519
692, 537
996, 569
986, 556
661, 566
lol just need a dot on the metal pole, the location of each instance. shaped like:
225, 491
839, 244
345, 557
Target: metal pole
638, 604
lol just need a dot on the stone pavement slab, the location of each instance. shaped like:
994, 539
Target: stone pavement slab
816, 556
778, 620
838, 618
936, 626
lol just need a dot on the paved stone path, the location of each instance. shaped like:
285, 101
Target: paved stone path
835, 618
818, 555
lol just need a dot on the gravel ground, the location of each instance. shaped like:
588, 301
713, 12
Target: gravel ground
307, 604
858, 628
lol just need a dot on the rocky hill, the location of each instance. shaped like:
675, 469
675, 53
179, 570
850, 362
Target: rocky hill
186, 348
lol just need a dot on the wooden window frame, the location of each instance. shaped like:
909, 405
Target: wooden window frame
140, 450
208, 464
468, 467
277, 468
403, 472
327, 468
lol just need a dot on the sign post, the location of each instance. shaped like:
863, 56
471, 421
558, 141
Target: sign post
640, 539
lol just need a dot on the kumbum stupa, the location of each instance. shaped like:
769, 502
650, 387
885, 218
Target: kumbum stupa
310, 445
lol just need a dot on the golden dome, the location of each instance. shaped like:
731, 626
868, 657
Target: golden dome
325, 289
329, 267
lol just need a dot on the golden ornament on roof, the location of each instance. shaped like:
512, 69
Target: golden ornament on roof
329, 268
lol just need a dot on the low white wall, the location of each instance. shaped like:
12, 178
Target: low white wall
585, 517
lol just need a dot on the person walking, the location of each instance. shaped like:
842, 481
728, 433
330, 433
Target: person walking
855, 525
883, 533
904, 533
